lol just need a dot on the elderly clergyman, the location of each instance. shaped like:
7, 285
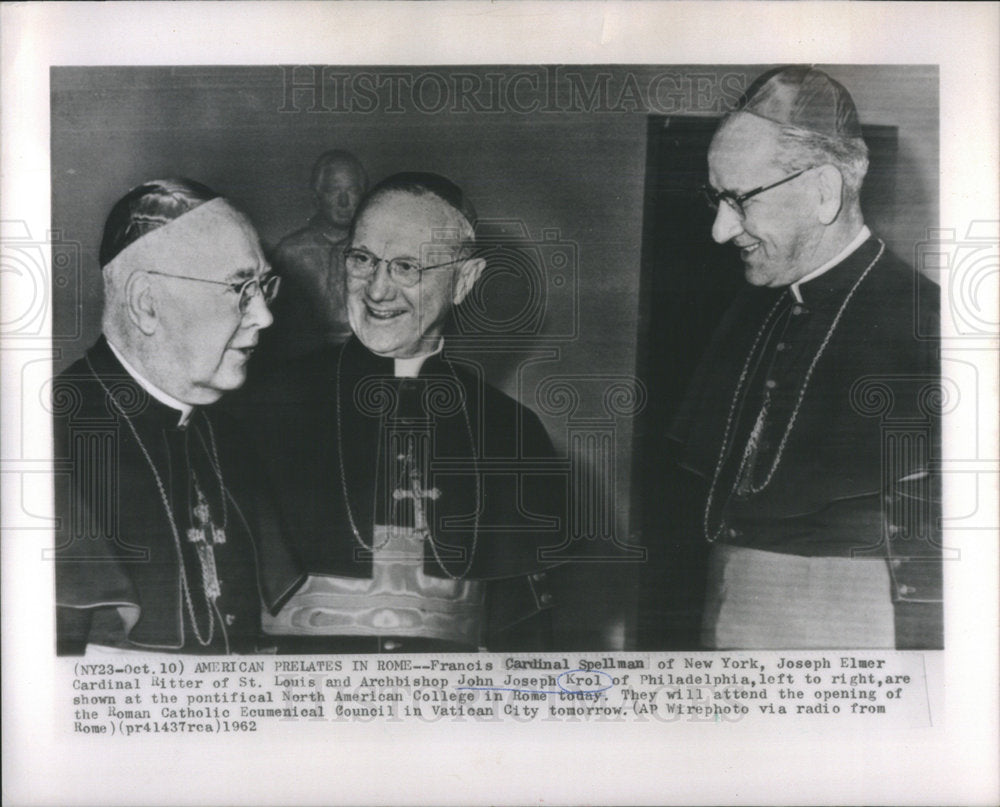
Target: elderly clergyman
416, 493
822, 521
164, 541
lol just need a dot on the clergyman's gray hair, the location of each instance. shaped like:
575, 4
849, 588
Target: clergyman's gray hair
800, 148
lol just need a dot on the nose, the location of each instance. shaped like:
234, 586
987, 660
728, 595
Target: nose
343, 198
257, 315
727, 224
380, 286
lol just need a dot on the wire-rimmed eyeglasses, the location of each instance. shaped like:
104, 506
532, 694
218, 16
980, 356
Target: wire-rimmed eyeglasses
736, 200
266, 285
362, 264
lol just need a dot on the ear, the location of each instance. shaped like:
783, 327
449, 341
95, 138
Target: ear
468, 274
830, 185
140, 302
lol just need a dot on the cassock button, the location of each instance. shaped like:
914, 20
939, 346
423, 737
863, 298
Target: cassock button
904, 590
391, 644
895, 563
538, 576
732, 532
893, 529
770, 383
230, 619
781, 346
545, 599
798, 309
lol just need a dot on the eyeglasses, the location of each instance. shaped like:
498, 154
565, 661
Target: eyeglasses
362, 264
266, 285
736, 200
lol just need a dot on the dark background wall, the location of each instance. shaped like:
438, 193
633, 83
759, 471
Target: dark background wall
558, 151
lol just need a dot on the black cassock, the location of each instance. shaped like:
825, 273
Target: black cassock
846, 461
352, 450
128, 574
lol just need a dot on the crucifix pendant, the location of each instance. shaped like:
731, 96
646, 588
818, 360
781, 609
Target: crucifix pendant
417, 493
199, 536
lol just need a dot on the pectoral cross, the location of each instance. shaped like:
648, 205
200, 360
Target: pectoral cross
198, 535
416, 492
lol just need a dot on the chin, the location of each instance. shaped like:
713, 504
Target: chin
228, 381
384, 337
385, 344
760, 276
203, 395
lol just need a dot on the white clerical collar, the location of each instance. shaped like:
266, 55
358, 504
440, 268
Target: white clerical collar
863, 235
183, 409
410, 367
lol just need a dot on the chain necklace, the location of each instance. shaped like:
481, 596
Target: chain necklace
426, 531
758, 425
211, 586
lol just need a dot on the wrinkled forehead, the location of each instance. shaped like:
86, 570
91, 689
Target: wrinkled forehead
214, 241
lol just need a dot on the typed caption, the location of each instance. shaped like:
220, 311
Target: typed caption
135, 695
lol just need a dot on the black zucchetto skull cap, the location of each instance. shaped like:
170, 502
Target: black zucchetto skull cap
423, 181
802, 96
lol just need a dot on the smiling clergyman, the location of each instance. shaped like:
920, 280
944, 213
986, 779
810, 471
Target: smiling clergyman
822, 507
405, 480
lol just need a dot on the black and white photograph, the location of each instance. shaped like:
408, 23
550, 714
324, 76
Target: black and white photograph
482, 399
783, 492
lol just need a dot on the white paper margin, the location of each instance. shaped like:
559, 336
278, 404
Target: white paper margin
955, 761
